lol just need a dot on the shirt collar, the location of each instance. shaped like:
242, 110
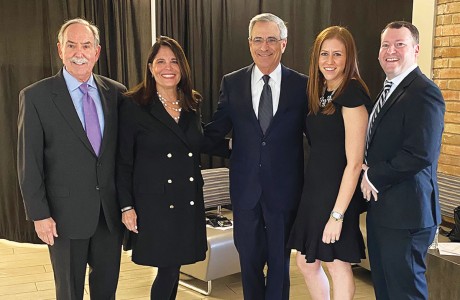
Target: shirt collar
73, 83
275, 75
397, 80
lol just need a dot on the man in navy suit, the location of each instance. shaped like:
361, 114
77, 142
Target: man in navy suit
264, 105
403, 145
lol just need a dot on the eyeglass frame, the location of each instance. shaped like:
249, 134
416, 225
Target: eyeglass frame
271, 40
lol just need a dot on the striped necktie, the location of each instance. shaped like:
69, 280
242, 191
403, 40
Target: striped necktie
377, 108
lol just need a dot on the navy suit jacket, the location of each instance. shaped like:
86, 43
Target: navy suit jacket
272, 164
403, 155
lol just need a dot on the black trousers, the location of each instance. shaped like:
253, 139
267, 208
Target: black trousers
166, 283
101, 252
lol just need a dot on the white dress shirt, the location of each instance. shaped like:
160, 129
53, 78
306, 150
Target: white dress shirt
257, 84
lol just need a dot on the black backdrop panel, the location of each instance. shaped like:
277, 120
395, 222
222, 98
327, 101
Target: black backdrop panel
214, 36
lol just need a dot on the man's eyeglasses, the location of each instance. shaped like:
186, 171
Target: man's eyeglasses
258, 41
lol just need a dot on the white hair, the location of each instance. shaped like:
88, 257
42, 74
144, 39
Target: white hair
268, 17
92, 27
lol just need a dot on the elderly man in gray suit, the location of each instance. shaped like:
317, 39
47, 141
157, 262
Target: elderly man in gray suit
66, 155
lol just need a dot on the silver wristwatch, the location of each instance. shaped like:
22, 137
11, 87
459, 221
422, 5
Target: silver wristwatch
337, 216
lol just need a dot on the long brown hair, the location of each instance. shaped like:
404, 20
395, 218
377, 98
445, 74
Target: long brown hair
146, 91
317, 82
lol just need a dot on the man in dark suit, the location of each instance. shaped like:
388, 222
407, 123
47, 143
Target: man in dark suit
403, 145
66, 157
264, 105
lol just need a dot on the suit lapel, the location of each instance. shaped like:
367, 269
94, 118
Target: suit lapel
246, 98
397, 93
158, 111
63, 101
108, 108
284, 97
184, 121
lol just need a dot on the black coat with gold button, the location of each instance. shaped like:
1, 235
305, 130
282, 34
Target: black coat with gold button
158, 173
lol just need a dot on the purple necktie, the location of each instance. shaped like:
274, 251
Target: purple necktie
92, 127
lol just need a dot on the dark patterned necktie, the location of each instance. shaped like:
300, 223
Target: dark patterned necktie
265, 105
377, 108
92, 126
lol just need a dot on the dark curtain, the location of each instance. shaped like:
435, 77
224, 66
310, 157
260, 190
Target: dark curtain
366, 19
28, 53
214, 36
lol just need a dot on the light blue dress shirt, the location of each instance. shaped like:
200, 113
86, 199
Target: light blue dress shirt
77, 97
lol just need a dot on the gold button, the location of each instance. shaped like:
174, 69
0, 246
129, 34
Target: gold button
191, 179
190, 154
171, 206
169, 155
192, 203
169, 181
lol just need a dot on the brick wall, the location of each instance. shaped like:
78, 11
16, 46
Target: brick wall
446, 74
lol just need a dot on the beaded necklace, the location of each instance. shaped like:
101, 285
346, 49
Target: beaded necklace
165, 104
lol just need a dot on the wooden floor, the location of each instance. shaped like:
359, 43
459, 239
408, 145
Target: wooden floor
26, 273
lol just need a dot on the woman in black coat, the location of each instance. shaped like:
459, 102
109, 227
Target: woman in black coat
158, 168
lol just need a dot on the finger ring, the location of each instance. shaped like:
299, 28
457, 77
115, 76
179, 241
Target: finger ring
332, 241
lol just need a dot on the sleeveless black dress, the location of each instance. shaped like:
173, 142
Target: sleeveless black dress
323, 175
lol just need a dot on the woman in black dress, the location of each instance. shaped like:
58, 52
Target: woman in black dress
158, 168
327, 224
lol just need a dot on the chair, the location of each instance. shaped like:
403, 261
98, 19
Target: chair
221, 258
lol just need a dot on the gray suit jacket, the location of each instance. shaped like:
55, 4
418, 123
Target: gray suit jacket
59, 173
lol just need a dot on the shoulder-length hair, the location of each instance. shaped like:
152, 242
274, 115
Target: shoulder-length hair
146, 91
317, 82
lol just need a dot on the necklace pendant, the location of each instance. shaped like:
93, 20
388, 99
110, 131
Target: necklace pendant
324, 101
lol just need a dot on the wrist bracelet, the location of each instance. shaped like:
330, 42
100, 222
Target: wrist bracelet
125, 209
